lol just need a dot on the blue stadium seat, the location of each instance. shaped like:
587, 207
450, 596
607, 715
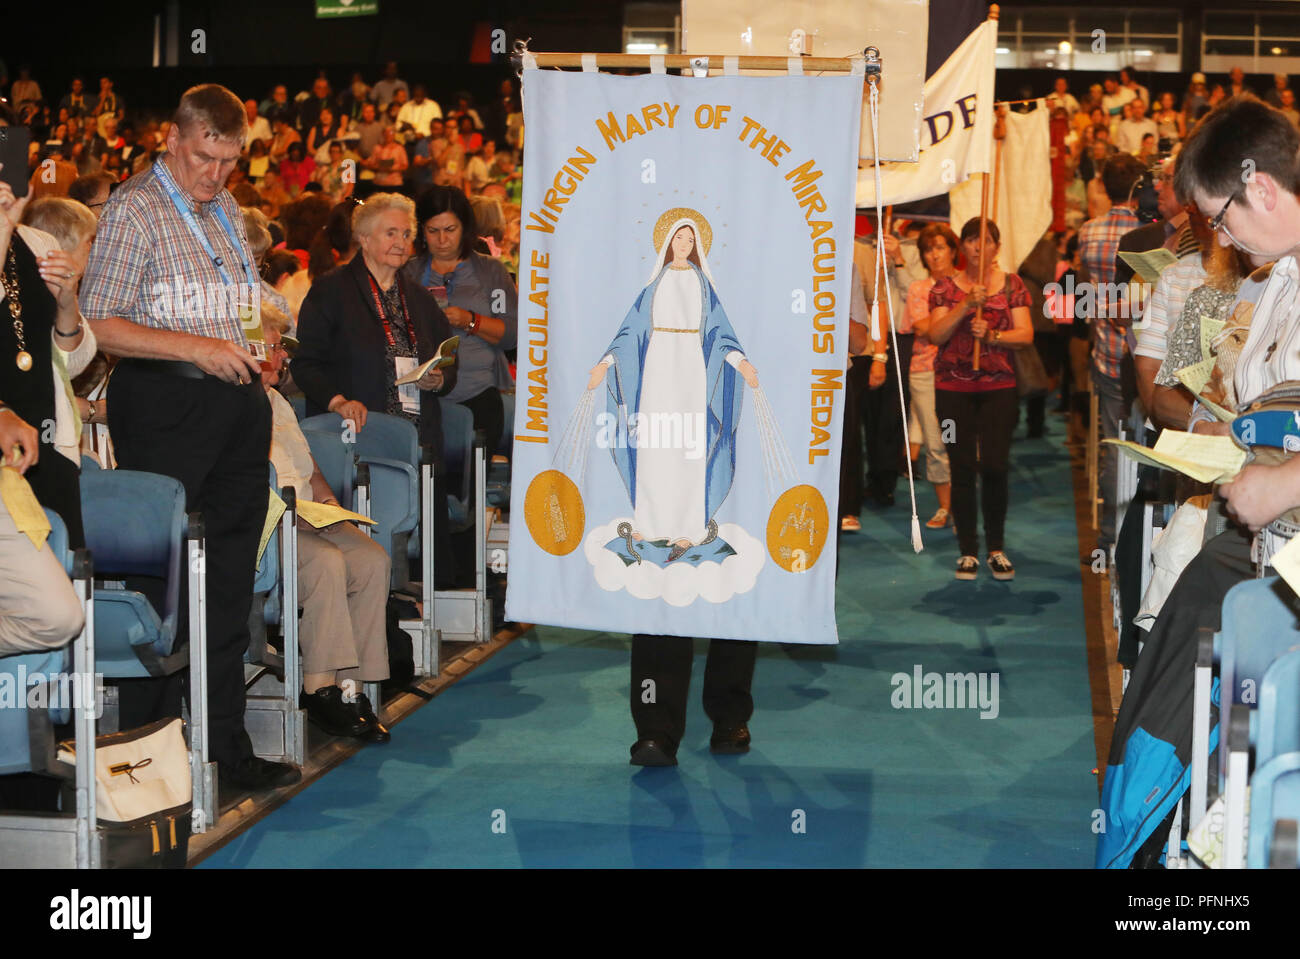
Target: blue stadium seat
1275, 785
135, 526
1259, 624
336, 459
274, 722
26, 735
457, 459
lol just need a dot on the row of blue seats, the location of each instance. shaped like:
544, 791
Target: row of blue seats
137, 525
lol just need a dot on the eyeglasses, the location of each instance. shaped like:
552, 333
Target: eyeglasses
1216, 222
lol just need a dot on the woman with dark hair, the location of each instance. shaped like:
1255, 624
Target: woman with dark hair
981, 400
333, 245
326, 128
939, 249
477, 295
296, 169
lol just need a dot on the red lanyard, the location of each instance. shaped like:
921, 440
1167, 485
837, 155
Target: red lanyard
383, 316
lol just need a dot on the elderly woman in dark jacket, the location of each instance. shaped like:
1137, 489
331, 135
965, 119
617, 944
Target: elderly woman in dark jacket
477, 296
363, 325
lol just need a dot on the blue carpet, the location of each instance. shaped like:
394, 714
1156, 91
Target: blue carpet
524, 762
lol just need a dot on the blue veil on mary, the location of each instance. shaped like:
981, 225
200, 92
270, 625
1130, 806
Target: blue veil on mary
724, 386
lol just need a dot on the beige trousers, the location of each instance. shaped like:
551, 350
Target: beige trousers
343, 580
39, 609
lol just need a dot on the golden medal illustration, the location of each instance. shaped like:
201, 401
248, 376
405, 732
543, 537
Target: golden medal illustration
797, 528
554, 513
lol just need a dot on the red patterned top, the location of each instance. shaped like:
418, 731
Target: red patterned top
952, 369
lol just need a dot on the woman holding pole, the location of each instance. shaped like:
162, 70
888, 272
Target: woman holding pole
977, 317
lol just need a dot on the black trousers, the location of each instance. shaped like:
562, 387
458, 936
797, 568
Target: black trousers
982, 424
666, 662
215, 438
883, 419
489, 416
855, 385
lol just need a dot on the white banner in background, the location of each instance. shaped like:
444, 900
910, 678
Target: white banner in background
687, 250
956, 130
1024, 193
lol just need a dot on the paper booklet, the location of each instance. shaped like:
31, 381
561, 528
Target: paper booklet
445, 357
326, 514
1151, 264
1206, 459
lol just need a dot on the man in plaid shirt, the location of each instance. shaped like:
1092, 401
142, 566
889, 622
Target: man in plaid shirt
1098, 242
169, 287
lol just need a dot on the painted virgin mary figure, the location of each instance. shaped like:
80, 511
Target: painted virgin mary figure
675, 359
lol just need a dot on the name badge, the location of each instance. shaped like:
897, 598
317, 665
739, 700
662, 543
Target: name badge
409, 393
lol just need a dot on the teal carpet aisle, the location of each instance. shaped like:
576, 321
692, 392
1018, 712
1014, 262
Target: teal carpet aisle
524, 762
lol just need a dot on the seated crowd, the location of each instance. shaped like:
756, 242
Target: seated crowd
378, 227
314, 204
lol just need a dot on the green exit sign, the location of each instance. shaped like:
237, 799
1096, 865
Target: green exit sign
346, 8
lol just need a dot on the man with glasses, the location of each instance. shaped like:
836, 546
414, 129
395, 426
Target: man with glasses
1239, 166
92, 190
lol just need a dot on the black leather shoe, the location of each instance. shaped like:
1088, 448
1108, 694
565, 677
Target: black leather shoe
329, 713
374, 731
257, 775
653, 752
730, 740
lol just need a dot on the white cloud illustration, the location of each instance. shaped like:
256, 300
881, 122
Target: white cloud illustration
678, 584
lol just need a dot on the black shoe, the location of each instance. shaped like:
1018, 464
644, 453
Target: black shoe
257, 775
730, 740
374, 731
329, 713
653, 752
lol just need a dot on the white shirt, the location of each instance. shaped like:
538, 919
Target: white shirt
419, 115
1165, 305
1066, 100
290, 454
259, 129
1131, 132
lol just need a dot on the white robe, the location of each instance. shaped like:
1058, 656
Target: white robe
669, 475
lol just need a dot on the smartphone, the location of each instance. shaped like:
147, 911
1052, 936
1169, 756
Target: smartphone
14, 142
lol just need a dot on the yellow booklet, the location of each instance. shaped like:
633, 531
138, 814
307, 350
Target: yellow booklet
23, 507
445, 356
274, 510
326, 514
1223, 415
1207, 459
1195, 377
1151, 264
1210, 328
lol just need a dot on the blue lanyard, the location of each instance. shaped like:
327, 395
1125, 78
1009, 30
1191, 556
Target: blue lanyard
182, 207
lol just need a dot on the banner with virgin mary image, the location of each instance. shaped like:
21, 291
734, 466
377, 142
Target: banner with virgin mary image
684, 289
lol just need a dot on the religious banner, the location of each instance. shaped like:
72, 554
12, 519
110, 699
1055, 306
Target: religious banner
956, 129
684, 285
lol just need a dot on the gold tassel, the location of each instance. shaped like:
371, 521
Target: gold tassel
157, 846
171, 824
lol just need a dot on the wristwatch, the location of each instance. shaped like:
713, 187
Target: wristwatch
997, 335
473, 322
880, 357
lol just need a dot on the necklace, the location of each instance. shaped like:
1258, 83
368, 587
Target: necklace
24, 359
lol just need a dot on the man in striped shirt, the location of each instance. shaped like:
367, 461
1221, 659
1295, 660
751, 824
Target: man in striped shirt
1098, 241
170, 287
